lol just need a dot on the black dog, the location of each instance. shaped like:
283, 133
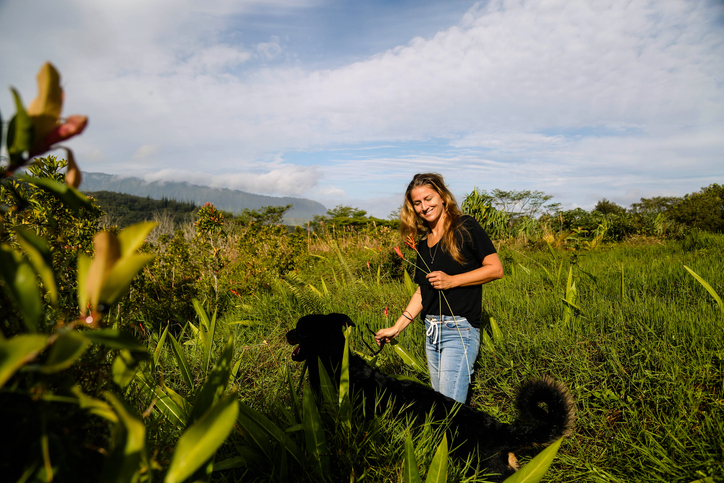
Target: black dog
546, 408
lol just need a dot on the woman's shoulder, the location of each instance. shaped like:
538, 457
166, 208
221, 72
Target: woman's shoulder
469, 222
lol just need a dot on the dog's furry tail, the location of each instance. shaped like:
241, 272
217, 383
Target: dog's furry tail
547, 404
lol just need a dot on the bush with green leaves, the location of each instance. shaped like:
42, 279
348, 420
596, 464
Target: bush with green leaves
63, 381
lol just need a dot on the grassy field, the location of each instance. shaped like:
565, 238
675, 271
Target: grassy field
638, 340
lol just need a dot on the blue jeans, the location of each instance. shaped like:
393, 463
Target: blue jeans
452, 346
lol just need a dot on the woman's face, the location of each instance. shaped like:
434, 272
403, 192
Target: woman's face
428, 204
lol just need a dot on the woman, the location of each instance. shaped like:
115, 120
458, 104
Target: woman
455, 258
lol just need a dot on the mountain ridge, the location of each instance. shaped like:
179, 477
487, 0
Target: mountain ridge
235, 201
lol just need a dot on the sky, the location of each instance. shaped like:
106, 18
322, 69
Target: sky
343, 101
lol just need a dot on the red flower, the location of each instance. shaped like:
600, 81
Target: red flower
399, 253
410, 242
386, 312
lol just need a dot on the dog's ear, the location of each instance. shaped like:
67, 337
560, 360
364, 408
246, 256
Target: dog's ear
341, 319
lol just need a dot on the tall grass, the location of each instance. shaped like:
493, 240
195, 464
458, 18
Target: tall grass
642, 352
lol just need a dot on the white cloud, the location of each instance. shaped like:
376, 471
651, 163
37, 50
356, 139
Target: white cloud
285, 180
604, 95
146, 152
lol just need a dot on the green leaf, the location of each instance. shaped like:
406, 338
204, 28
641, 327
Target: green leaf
93, 405
488, 342
18, 351
39, 255
83, 264
21, 132
345, 403
314, 433
708, 288
437, 473
258, 429
410, 473
159, 346
536, 468
198, 444
183, 364
329, 392
66, 349
125, 461
132, 237
215, 384
409, 284
73, 199
168, 403
20, 279
115, 339
124, 368
407, 356
497, 334
120, 277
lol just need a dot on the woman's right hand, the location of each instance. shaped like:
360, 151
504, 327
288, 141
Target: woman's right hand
383, 336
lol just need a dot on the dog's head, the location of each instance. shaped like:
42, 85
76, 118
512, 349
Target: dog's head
319, 335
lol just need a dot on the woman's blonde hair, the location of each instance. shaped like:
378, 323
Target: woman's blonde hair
411, 224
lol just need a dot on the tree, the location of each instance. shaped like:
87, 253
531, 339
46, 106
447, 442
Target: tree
522, 203
266, 215
606, 207
655, 205
703, 209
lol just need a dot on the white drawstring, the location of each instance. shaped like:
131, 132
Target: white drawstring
434, 329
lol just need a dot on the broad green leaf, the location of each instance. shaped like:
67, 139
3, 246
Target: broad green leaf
66, 349
407, 356
345, 403
215, 384
437, 473
488, 342
107, 251
124, 368
120, 277
72, 198
132, 237
497, 334
39, 255
84, 263
129, 446
159, 346
198, 444
115, 339
203, 317
18, 351
410, 473
314, 433
259, 430
163, 402
329, 392
708, 288
93, 405
409, 284
21, 132
20, 279
536, 468
183, 364
230, 463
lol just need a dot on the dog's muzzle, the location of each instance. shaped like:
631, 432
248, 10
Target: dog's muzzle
293, 339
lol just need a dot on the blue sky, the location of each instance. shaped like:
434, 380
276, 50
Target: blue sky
344, 101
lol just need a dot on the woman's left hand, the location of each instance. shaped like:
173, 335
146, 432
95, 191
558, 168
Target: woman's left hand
440, 280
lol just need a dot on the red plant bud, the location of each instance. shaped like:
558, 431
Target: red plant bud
399, 253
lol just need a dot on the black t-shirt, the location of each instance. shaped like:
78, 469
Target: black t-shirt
464, 301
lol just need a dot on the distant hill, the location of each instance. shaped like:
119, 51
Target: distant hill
124, 209
235, 201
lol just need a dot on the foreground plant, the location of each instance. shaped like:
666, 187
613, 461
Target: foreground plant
62, 382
